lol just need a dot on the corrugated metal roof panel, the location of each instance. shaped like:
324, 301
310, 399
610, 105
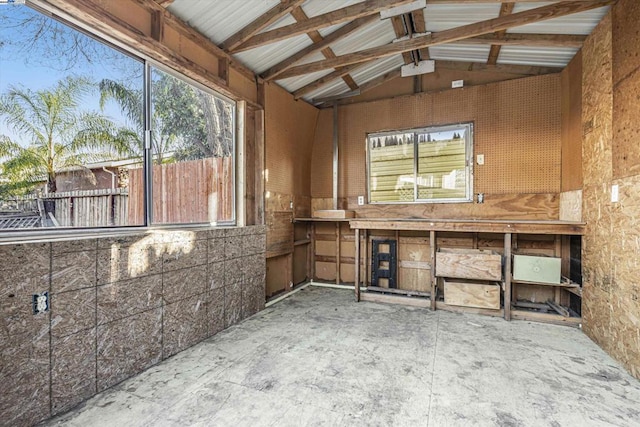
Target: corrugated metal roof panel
578, 23
295, 83
375, 34
527, 55
371, 70
460, 52
264, 57
439, 17
337, 87
220, 19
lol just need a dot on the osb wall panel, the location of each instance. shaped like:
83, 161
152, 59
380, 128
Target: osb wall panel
571, 117
289, 132
517, 128
571, 205
626, 88
611, 306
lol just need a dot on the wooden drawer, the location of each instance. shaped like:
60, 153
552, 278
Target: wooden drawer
472, 294
469, 264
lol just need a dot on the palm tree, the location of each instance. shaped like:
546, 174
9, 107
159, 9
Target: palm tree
131, 102
55, 133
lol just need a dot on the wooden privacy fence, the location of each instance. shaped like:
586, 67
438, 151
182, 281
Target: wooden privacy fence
89, 208
185, 192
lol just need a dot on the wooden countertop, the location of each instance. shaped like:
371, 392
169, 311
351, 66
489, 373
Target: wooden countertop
462, 225
471, 225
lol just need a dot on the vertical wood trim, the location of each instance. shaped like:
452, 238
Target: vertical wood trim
366, 257
240, 164
357, 272
260, 167
337, 253
507, 276
432, 253
313, 252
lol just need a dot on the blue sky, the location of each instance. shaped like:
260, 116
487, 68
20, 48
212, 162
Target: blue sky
32, 69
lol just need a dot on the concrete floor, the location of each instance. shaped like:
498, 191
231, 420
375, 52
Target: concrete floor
317, 358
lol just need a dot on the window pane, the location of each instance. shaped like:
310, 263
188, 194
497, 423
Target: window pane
442, 164
192, 147
391, 167
70, 130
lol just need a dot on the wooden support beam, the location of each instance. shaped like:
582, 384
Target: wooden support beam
420, 27
357, 272
339, 16
488, 1
525, 70
547, 40
316, 37
507, 276
494, 52
275, 13
164, 3
399, 28
157, 25
434, 279
340, 33
455, 34
325, 80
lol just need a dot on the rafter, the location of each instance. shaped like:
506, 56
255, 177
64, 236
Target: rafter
419, 22
275, 13
455, 34
399, 28
522, 39
494, 52
340, 72
346, 14
489, 1
340, 33
316, 37
164, 3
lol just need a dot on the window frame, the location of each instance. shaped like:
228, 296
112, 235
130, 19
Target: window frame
469, 156
69, 233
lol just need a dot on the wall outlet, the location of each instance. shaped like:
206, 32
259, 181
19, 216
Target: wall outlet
615, 193
480, 159
457, 83
40, 303
360, 200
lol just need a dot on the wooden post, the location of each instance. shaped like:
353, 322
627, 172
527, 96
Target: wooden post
366, 257
434, 283
337, 252
507, 276
312, 270
357, 272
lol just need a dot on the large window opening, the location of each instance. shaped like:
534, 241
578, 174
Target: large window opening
92, 136
431, 164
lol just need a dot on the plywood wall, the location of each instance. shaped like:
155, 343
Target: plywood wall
289, 129
611, 295
517, 128
571, 117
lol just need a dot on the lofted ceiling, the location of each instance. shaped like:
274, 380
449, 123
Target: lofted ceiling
322, 49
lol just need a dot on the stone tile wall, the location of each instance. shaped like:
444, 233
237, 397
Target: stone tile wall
117, 307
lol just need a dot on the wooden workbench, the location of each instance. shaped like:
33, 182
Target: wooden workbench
507, 227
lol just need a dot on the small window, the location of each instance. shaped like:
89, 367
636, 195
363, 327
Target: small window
429, 165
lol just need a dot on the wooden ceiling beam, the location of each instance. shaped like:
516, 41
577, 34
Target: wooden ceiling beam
275, 13
421, 27
399, 28
339, 16
316, 37
164, 3
489, 1
494, 52
338, 73
273, 72
521, 39
455, 34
